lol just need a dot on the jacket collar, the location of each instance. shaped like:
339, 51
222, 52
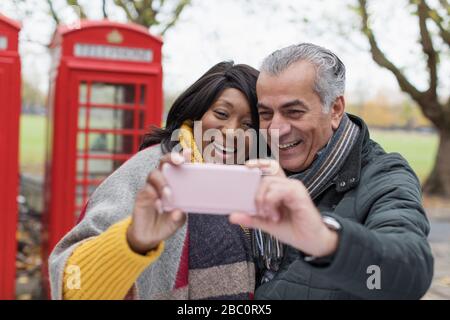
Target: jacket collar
348, 177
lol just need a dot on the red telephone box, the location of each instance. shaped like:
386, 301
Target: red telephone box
9, 140
105, 91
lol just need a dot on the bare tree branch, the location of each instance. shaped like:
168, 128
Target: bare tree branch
28, 39
180, 7
80, 12
105, 14
122, 4
138, 7
145, 12
438, 20
432, 109
152, 13
446, 6
379, 56
428, 48
53, 12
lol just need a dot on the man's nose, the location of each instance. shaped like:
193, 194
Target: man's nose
278, 126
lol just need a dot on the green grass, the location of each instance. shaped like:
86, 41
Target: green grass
32, 143
418, 148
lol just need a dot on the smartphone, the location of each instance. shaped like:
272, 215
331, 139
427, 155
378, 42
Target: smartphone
211, 188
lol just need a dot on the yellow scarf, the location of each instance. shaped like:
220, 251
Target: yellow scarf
187, 141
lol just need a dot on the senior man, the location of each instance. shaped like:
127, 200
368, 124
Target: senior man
343, 219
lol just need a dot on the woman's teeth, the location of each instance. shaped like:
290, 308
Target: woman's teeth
223, 149
289, 145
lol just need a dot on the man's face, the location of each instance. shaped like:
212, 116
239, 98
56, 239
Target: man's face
288, 102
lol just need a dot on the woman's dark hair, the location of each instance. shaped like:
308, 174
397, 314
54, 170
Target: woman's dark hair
193, 103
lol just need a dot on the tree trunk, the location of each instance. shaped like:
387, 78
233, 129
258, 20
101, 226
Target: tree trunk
438, 182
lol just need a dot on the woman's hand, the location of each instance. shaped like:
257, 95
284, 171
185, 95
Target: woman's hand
150, 225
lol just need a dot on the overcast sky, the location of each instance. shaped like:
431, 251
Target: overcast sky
247, 30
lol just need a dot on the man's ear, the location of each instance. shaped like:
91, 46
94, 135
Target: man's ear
337, 112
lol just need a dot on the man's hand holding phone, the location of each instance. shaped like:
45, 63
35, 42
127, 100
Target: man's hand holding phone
286, 211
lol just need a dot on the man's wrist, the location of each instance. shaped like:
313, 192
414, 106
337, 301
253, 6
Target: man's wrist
330, 240
331, 243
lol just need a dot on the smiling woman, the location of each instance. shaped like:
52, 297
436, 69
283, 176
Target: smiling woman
228, 114
217, 95
126, 243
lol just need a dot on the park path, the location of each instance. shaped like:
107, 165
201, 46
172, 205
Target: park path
440, 244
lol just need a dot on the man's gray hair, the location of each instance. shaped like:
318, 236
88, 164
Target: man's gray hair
330, 71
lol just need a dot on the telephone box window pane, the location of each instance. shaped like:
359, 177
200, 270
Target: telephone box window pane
79, 199
142, 119
80, 169
105, 118
81, 142
83, 190
102, 168
82, 93
98, 142
105, 144
103, 93
82, 117
3, 43
108, 143
143, 94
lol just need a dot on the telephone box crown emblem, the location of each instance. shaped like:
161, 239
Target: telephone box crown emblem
115, 37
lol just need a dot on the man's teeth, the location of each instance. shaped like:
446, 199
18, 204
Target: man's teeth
223, 149
289, 145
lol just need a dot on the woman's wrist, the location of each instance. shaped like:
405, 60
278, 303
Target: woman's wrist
137, 247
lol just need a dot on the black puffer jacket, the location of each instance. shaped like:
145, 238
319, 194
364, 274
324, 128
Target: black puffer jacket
376, 198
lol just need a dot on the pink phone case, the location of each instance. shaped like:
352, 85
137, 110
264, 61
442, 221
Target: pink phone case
212, 188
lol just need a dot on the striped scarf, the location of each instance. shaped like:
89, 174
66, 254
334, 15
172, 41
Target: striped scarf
216, 261
267, 250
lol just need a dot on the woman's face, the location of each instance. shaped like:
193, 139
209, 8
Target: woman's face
230, 140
